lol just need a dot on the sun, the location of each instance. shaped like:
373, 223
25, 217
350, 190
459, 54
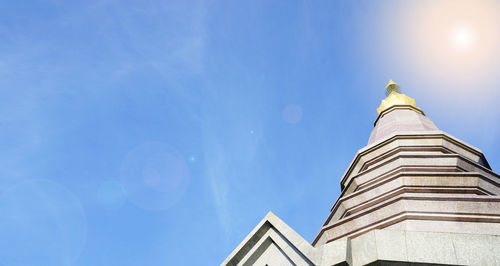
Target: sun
462, 37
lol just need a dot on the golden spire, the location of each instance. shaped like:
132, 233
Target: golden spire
395, 97
392, 86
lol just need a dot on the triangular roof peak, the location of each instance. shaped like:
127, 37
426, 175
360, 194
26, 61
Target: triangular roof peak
272, 235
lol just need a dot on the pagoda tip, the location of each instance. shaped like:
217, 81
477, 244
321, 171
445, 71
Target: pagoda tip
392, 87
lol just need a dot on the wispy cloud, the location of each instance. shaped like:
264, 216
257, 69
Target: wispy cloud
216, 170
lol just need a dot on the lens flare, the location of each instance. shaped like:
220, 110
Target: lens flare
292, 113
154, 176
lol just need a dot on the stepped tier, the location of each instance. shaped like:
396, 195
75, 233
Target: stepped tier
414, 177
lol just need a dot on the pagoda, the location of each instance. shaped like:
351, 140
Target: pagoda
415, 195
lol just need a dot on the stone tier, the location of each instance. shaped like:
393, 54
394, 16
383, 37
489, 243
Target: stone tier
415, 181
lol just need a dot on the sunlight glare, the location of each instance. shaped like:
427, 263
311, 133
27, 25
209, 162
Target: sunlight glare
454, 43
462, 37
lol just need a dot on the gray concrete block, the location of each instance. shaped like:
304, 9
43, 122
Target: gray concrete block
429, 247
364, 249
477, 249
391, 245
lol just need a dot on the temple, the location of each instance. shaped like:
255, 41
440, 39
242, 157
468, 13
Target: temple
415, 195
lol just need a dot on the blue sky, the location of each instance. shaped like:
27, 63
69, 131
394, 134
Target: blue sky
161, 132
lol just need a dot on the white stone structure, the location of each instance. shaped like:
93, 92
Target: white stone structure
414, 195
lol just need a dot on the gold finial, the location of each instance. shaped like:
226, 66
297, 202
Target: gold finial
392, 87
395, 97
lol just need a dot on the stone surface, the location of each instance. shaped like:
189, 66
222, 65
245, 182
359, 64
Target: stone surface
476, 250
273, 242
430, 247
379, 247
400, 119
270, 255
336, 252
391, 245
364, 249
